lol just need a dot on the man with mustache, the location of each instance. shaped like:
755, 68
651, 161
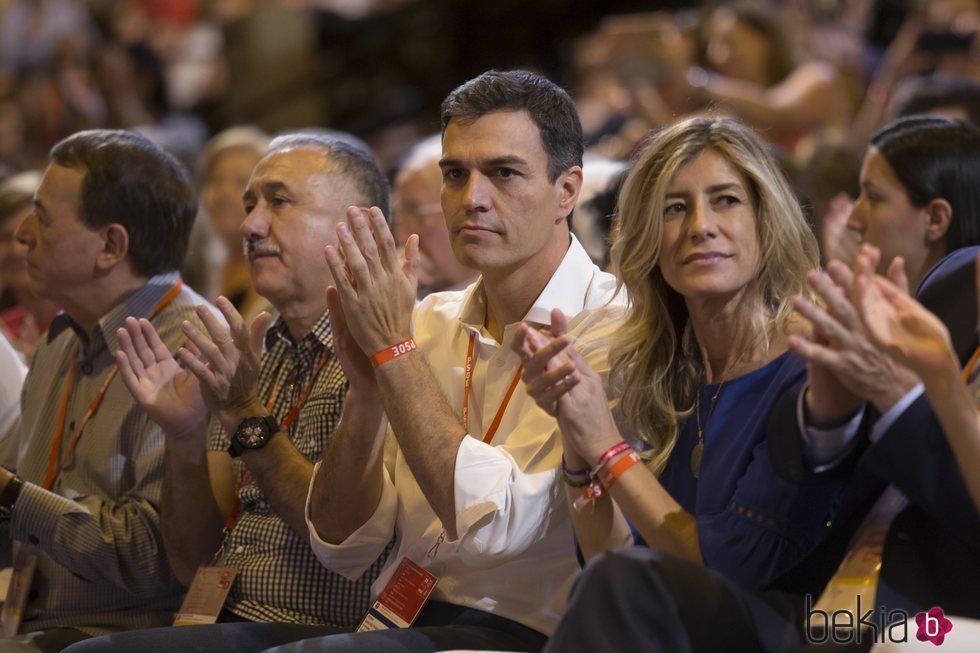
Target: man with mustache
234, 492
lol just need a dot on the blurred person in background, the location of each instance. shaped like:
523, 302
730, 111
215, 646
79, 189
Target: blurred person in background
734, 57
226, 165
936, 39
12, 373
748, 68
24, 317
596, 206
417, 209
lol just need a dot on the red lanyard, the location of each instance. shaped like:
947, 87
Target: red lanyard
53, 470
285, 425
468, 384
290, 418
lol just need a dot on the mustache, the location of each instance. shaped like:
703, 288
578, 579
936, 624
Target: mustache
259, 246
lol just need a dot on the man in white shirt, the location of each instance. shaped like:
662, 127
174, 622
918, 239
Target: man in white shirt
470, 482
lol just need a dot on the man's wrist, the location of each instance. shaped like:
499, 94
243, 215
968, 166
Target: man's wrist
232, 417
817, 415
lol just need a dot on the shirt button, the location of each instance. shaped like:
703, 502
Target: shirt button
86, 368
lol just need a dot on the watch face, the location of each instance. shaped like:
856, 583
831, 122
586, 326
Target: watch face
253, 433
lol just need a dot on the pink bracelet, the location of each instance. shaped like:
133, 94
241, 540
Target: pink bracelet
610, 453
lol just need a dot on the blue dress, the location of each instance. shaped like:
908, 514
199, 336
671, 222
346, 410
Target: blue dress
752, 525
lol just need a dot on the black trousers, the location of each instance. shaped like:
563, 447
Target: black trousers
639, 599
440, 627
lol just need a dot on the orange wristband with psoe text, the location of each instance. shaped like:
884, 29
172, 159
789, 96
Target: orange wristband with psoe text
390, 353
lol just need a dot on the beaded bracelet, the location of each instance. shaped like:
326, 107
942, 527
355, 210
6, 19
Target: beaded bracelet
574, 477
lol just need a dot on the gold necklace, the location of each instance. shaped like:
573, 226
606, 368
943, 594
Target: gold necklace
698, 450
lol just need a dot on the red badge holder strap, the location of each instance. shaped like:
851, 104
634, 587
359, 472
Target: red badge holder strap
25, 563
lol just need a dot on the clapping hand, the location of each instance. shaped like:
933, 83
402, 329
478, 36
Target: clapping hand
376, 287
226, 362
170, 395
896, 322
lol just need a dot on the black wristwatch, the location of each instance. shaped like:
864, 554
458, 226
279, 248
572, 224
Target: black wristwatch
252, 433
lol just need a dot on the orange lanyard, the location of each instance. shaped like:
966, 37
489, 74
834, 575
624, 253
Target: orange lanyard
969, 366
285, 425
53, 470
468, 385
290, 418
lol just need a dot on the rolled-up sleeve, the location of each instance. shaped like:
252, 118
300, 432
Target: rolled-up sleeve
501, 509
352, 557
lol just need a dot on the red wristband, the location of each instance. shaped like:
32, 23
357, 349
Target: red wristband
393, 352
609, 454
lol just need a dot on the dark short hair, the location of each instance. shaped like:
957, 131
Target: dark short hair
548, 105
132, 182
936, 157
352, 158
928, 94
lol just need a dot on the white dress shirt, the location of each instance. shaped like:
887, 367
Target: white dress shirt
514, 555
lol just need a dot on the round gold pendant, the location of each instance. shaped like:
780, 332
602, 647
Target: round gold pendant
696, 459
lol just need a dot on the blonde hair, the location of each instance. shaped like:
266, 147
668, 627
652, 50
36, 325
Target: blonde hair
240, 137
656, 363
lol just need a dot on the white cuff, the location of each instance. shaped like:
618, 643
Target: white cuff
823, 449
352, 557
885, 421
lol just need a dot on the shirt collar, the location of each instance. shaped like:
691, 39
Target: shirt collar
566, 290
321, 333
139, 304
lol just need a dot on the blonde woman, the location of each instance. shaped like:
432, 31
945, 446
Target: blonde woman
712, 248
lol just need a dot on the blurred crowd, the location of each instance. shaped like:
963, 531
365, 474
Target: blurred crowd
210, 80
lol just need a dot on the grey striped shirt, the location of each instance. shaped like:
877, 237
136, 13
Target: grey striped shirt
103, 565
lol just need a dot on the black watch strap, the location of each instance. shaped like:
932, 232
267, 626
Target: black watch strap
8, 498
